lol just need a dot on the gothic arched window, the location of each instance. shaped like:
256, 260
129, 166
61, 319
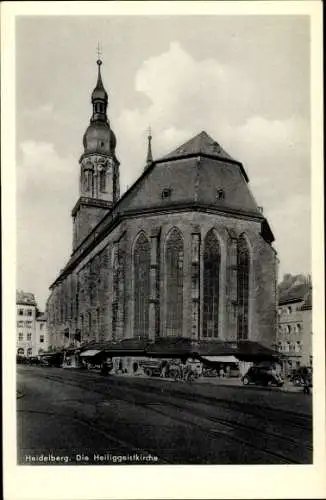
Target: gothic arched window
174, 283
141, 286
212, 259
243, 288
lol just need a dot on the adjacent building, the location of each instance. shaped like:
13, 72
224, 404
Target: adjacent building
294, 337
32, 337
185, 252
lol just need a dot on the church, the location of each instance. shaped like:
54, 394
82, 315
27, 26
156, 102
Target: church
185, 252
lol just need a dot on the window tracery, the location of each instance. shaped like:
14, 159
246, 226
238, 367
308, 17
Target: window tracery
212, 259
141, 286
243, 288
174, 256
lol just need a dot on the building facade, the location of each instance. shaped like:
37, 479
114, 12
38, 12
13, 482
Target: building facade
41, 333
294, 337
185, 251
32, 336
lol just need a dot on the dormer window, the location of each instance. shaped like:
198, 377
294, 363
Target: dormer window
220, 194
166, 193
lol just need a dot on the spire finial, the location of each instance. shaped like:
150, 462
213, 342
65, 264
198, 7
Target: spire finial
149, 158
99, 53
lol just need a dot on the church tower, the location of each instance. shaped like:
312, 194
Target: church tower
99, 168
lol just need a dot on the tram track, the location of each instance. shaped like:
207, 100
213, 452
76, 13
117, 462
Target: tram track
222, 427
287, 417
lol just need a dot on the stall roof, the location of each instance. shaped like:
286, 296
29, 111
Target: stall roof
221, 359
243, 349
172, 346
90, 353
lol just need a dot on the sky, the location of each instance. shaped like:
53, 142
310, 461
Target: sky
243, 79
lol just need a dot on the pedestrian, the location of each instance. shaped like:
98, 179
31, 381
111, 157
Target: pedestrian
306, 380
104, 368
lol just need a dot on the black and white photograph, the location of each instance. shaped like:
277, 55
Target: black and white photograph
165, 270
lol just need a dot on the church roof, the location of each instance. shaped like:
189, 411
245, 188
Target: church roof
201, 144
210, 179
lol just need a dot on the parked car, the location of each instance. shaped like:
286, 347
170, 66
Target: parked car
261, 375
210, 372
21, 360
301, 375
152, 367
33, 360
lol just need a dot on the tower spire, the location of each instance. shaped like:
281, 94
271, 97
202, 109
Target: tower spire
99, 51
149, 158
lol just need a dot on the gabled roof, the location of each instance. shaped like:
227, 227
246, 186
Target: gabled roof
307, 304
41, 316
201, 144
294, 294
26, 298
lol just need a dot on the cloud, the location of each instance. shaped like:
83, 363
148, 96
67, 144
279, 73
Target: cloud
44, 111
185, 96
47, 188
292, 218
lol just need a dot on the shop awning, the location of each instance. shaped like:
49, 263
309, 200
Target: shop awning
90, 353
221, 359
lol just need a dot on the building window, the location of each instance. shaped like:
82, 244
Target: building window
20, 336
166, 193
20, 323
29, 336
41, 326
20, 312
89, 323
299, 328
102, 180
195, 318
212, 260
243, 287
42, 338
297, 346
280, 347
29, 312
29, 351
78, 336
20, 351
289, 310
141, 286
174, 283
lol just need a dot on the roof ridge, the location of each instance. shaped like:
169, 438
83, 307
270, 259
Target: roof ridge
200, 144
